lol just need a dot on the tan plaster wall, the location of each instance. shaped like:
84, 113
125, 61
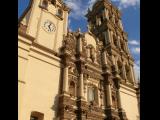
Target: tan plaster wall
38, 85
129, 104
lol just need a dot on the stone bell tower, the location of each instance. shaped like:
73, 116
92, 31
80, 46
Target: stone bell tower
46, 21
105, 22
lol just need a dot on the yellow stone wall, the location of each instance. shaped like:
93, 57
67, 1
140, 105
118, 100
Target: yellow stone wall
129, 103
39, 74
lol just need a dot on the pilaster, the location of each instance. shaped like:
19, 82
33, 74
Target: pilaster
121, 112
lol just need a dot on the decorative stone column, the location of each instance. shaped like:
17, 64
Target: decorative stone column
113, 60
132, 74
119, 99
126, 46
65, 79
99, 97
81, 86
104, 58
108, 36
85, 89
119, 42
120, 24
122, 113
79, 42
109, 93
124, 71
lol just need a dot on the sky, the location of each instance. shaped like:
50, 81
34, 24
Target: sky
130, 10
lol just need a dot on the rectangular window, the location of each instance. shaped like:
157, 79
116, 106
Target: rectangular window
36, 116
91, 94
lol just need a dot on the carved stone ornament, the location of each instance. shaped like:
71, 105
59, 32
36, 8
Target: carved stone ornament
69, 44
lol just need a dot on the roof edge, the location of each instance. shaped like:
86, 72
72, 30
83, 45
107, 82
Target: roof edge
25, 12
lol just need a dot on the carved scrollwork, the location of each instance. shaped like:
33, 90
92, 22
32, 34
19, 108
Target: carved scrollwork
69, 43
73, 78
93, 75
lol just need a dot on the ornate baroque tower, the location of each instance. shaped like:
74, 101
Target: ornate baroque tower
98, 69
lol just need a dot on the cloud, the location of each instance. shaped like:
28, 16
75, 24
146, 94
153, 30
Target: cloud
69, 24
133, 42
77, 8
127, 3
134, 46
135, 50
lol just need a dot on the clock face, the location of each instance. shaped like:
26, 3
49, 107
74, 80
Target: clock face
48, 26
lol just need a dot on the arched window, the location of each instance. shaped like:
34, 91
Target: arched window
36, 116
72, 88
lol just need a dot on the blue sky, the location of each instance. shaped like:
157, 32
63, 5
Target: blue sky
130, 10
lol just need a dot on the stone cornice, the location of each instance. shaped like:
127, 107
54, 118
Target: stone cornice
93, 68
25, 12
25, 35
129, 87
45, 49
44, 56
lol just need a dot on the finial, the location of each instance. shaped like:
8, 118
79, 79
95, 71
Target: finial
88, 28
79, 30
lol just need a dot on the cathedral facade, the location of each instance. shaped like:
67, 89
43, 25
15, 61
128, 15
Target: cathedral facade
64, 75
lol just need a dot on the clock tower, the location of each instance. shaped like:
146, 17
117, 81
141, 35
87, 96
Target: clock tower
46, 21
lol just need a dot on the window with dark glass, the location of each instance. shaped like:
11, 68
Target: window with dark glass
59, 13
72, 88
36, 116
92, 93
44, 4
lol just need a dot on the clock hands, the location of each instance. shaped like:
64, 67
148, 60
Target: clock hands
50, 26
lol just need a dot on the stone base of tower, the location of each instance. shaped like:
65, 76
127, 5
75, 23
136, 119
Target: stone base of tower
122, 115
78, 109
112, 114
